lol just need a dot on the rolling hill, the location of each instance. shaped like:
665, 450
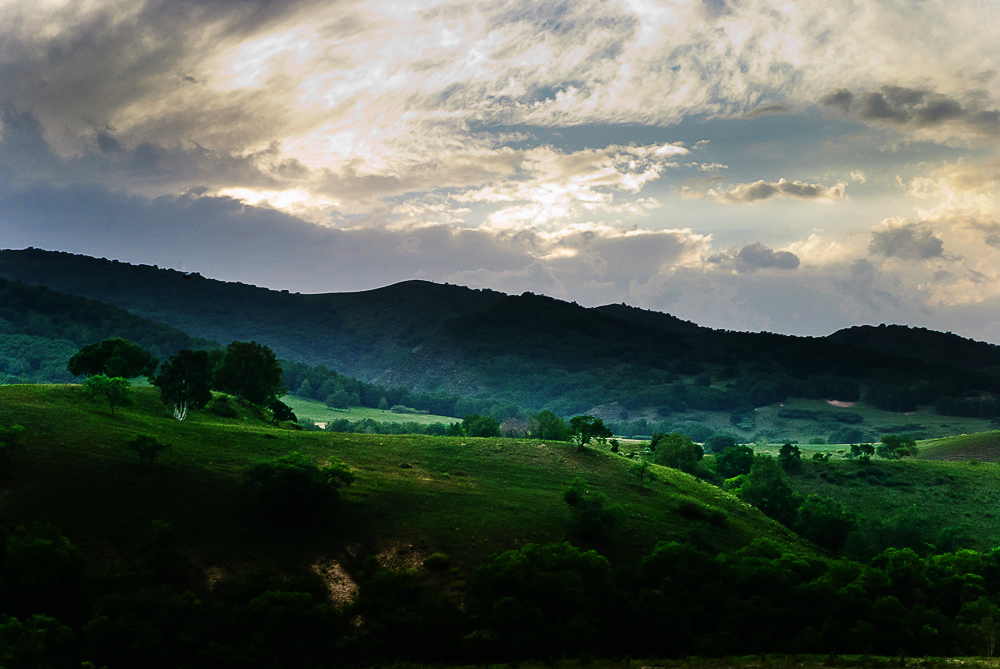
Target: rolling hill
641, 371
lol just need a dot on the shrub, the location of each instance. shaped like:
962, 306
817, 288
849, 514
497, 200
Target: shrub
437, 561
147, 448
221, 407
294, 486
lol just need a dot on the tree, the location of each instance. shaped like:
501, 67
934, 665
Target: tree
546, 425
862, 452
147, 448
9, 436
734, 461
896, 446
641, 471
281, 412
116, 390
790, 458
185, 382
480, 426
112, 357
589, 510
825, 522
587, 428
676, 451
767, 488
719, 442
250, 371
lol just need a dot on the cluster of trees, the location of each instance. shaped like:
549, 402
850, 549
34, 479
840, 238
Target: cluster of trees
540, 601
247, 370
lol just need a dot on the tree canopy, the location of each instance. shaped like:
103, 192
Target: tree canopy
587, 428
112, 357
185, 381
251, 372
677, 451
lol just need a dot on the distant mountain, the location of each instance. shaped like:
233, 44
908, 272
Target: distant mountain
40, 329
535, 351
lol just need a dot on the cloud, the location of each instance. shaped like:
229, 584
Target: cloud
921, 110
764, 190
756, 256
770, 109
907, 241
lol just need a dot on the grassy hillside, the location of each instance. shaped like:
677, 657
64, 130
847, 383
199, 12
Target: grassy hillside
913, 503
307, 409
414, 495
984, 447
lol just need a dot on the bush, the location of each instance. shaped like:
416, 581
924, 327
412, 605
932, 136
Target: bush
437, 561
295, 486
221, 407
147, 448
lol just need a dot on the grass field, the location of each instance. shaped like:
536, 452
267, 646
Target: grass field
769, 426
318, 412
414, 495
948, 504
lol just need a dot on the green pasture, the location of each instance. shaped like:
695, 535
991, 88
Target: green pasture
914, 502
769, 426
414, 495
318, 412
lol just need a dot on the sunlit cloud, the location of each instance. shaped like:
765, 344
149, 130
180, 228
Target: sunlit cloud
782, 188
576, 148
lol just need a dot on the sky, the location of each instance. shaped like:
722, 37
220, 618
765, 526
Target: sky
795, 167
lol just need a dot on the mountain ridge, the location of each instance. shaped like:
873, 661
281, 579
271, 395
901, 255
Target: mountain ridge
535, 351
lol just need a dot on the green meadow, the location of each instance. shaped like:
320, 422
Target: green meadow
413, 496
318, 412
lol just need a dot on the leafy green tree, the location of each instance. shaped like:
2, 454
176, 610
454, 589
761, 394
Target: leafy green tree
40, 642
825, 522
640, 470
676, 451
584, 429
895, 446
294, 486
734, 461
978, 628
401, 614
767, 488
112, 357
480, 426
281, 411
546, 425
719, 442
542, 601
250, 371
9, 436
790, 458
147, 448
41, 571
185, 382
590, 511
116, 390
862, 452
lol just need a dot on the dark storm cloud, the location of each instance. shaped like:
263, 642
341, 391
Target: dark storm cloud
909, 242
26, 159
768, 110
918, 108
756, 256
105, 59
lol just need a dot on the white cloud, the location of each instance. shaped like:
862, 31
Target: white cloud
782, 188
